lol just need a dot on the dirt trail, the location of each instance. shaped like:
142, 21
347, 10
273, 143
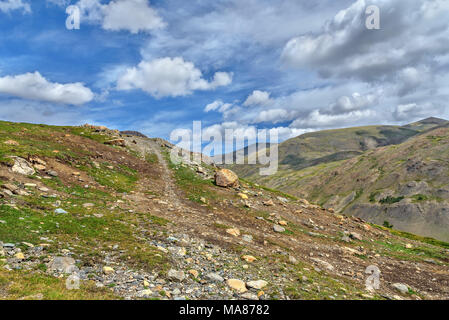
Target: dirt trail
146, 147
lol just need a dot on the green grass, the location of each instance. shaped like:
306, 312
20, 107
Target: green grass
192, 184
152, 158
29, 286
120, 178
391, 200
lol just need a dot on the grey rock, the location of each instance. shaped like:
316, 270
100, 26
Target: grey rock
63, 264
278, 228
214, 277
176, 275
23, 167
403, 288
52, 173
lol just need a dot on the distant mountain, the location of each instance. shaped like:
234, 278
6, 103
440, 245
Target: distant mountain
133, 133
380, 173
322, 147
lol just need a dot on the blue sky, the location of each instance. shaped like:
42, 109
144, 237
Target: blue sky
288, 65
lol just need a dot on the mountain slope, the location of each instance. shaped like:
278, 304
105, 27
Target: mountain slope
118, 214
406, 184
322, 147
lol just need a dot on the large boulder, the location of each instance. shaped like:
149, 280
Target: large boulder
226, 178
21, 166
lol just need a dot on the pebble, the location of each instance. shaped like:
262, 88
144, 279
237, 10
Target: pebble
278, 229
237, 285
214, 277
403, 288
108, 270
176, 275
233, 232
259, 284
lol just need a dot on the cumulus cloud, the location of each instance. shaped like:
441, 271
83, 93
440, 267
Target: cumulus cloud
416, 111
34, 86
257, 98
413, 32
172, 77
10, 5
354, 102
316, 119
129, 15
218, 105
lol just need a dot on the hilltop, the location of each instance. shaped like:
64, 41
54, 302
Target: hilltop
114, 211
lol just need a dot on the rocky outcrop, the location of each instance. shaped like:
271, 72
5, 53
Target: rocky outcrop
21, 166
116, 142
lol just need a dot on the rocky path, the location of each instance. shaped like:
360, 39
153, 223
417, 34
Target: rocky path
240, 243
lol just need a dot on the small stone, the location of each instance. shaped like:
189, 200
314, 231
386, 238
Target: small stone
259, 284
176, 275
52, 173
146, 284
250, 296
214, 277
11, 142
88, 205
278, 229
237, 285
403, 288
233, 232
62, 264
108, 270
356, 236
60, 211
247, 238
29, 245
249, 258
30, 185
292, 260
194, 273
144, 293
268, 203
283, 223
19, 256
323, 263
243, 196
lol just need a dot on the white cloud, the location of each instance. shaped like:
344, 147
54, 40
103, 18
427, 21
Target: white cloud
414, 111
257, 98
10, 5
34, 86
316, 119
218, 105
130, 15
413, 33
169, 77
